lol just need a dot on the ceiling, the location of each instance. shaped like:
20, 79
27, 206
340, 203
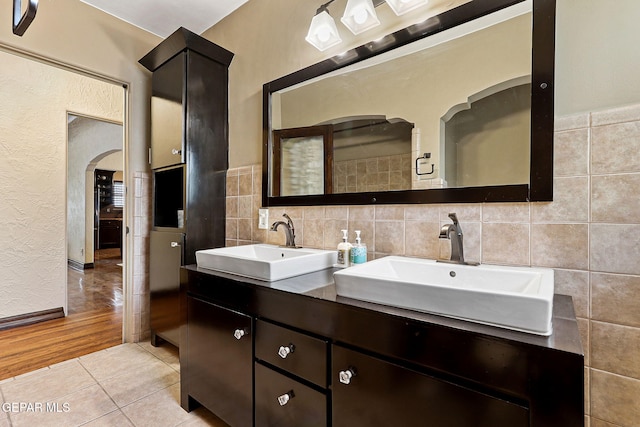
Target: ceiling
163, 17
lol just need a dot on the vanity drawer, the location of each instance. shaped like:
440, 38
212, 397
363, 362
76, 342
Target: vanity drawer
297, 353
281, 401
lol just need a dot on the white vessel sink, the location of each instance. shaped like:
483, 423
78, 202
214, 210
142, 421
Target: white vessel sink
265, 262
519, 298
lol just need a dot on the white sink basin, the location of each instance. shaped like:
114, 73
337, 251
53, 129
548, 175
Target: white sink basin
519, 298
265, 262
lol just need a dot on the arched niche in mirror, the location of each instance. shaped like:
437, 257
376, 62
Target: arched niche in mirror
422, 73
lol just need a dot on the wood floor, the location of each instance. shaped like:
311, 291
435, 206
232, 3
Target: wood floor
94, 321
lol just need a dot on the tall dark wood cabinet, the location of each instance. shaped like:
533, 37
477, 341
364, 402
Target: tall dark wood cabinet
189, 146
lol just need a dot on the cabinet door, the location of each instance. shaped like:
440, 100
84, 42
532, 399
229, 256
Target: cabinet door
282, 401
220, 361
167, 114
165, 258
379, 393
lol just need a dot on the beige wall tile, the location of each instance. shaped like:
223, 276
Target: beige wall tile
612, 200
615, 248
575, 121
429, 213
245, 184
599, 423
257, 180
336, 212
231, 207
367, 231
615, 148
615, 298
314, 212
570, 202
560, 246
362, 213
313, 233
615, 349
506, 212
245, 207
389, 237
421, 239
231, 228
244, 229
585, 339
587, 390
390, 213
505, 243
232, 185
627, 113
615, 398
333, 235
576, 284
571, 152
465, 213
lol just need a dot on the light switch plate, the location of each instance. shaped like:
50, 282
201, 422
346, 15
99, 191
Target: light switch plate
263, 219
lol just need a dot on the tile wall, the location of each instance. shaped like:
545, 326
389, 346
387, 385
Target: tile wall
590, 235
138, 311
373, 174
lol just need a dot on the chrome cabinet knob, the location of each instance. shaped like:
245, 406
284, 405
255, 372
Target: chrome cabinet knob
284, 351
175, 151
175, 244
346, 375
285, 398
239, 333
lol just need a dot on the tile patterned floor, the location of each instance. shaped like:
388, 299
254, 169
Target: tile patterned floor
128, 385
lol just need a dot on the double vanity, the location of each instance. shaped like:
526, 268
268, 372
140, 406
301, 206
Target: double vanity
268, 341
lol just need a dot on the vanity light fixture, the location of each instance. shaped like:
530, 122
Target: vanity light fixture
323, 32
400, 7
359, 16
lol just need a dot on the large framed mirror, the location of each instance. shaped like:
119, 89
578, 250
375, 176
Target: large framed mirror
455, 109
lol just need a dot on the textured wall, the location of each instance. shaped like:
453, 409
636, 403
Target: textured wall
33, 151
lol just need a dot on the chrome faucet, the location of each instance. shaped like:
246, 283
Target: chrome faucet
453, 232
289, 231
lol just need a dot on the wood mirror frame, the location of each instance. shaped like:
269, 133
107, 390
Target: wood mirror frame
540, 187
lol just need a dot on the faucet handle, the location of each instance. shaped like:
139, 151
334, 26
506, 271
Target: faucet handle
453, 217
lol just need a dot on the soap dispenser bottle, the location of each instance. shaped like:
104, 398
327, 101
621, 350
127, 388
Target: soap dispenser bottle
344, 251
358, 251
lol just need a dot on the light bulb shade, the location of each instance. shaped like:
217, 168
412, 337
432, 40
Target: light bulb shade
323, 32
359, 16
401, 7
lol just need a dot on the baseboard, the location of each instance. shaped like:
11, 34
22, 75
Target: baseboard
77, 265
31, 318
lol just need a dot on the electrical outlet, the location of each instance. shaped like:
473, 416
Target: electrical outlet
263, 219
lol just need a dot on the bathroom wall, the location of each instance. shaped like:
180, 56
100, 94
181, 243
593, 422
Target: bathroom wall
33, 176
78, 36
590, 233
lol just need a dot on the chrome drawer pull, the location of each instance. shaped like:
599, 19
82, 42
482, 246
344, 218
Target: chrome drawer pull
175, 151
285, 398
239, 333
284, 351
346, 375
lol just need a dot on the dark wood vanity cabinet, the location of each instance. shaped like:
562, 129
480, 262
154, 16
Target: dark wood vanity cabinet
220, 361
369, 391
333, 361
